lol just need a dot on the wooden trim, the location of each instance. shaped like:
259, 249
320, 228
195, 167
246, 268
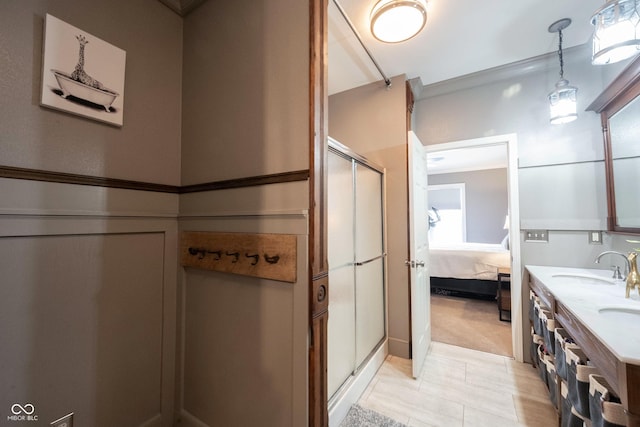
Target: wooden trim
628, 77
623, 90
77, 179
252, 181
69, 178
318, 264
318, 412
410, 104
318, 150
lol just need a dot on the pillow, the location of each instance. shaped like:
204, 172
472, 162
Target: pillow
505, 242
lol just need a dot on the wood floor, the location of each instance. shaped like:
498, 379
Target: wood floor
460, 387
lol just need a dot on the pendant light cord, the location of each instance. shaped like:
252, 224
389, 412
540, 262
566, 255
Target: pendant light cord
355, 32
560, 54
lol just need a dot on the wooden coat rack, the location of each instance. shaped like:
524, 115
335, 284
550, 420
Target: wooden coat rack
268, 256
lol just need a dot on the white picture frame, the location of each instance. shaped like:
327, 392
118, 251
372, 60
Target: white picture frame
82, 74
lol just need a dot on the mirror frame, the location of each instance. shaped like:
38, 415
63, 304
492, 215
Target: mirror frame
622, 90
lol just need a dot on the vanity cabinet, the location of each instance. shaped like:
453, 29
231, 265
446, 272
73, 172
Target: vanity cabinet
619, 109
622, 376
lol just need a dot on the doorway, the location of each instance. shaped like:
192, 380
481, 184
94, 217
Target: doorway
509, 142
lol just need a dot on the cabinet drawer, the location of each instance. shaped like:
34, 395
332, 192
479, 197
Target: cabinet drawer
546, 297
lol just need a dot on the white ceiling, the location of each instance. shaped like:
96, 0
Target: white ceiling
467, 159
461, 37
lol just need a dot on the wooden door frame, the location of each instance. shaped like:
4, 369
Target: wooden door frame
318, 265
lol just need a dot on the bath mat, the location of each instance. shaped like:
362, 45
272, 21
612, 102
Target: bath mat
363, 417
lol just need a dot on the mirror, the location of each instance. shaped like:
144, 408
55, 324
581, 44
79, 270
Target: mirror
619, 108
624, 134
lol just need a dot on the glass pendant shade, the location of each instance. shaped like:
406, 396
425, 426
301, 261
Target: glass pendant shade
617, 31
563, 103
394, 21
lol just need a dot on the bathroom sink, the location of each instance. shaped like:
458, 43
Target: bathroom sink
621, 313
583, 279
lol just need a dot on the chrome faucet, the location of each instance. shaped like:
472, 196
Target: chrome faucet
632, 277
626, 259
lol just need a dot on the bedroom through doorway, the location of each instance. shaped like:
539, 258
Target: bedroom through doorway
473, 211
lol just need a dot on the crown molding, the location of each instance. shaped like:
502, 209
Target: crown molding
503, 72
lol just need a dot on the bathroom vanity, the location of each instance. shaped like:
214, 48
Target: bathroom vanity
590, 305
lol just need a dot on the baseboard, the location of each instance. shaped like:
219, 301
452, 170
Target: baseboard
400, 348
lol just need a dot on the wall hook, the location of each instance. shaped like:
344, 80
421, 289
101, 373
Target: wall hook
235, 256
197, 251
271, 259
255, 257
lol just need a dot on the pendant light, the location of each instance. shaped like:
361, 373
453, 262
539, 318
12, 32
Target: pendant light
563, 100
394, 21
617, 31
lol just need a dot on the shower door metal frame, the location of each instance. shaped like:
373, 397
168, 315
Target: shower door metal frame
346, 153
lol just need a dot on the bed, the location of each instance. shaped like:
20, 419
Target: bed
467, 267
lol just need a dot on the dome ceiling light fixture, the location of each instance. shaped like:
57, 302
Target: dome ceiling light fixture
616, 34
563, 100
394, 21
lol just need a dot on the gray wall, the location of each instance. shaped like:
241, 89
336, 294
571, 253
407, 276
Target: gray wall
147, 147
561, 167
89, 273
371, 120
100, 320
244, 341
486, 198
241, 103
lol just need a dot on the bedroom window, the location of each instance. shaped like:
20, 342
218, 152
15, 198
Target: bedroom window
447, 213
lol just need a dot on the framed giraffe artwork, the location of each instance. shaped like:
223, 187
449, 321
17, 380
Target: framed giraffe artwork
82, 74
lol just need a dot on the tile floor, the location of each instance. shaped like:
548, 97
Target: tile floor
461, 387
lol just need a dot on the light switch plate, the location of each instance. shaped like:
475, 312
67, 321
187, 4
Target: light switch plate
536, 235
595, 237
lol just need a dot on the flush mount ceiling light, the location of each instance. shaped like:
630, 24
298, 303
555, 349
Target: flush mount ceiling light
394, 21
617, 31
563, 100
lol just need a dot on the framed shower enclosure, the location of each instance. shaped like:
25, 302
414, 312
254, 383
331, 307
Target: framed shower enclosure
357, 299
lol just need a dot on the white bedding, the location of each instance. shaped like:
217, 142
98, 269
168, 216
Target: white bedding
468, 260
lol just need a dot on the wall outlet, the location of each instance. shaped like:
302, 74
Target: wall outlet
595, 237
536, 235
66, 421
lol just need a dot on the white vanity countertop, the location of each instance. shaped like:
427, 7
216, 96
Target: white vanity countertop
580, 291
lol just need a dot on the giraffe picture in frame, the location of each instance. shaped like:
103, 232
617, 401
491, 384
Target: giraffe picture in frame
82, 74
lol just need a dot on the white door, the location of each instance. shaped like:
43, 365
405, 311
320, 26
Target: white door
418, 262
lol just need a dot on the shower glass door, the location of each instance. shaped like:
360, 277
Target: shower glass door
341, 340
356, 266
369, 258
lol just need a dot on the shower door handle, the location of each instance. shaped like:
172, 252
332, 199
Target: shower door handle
358, 263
